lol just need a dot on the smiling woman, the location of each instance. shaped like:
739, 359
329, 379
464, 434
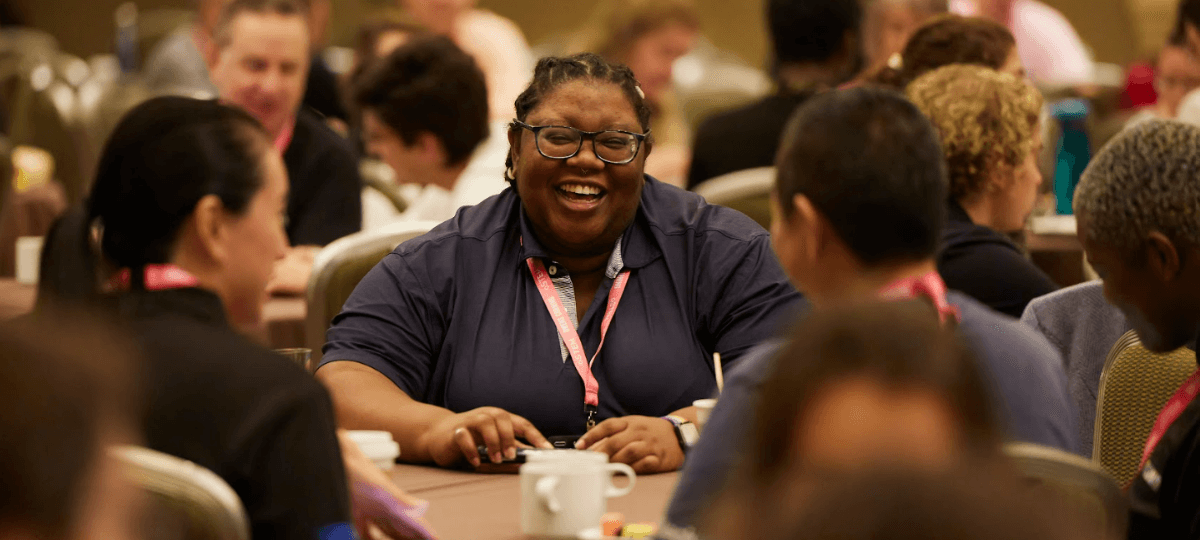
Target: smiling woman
493, 328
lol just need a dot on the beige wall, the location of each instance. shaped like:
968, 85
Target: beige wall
85, 26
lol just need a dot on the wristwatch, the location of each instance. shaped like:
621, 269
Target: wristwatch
685, 431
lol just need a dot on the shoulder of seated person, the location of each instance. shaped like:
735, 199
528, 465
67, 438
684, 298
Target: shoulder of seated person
1020, 340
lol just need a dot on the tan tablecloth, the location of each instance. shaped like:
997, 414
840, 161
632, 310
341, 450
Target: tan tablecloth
470, 506
283, 317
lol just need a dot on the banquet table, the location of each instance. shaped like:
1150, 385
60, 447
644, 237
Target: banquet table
472, 506
283, 316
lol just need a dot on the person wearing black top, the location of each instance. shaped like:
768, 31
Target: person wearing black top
1138, 207
816, 45
988, 125
325, 200
197, 237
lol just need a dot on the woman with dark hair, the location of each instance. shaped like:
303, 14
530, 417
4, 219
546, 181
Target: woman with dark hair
177, 241
856, 388
503, 323
953, 39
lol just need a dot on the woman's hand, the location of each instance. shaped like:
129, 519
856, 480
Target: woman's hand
369, 512
647, 444
458, 436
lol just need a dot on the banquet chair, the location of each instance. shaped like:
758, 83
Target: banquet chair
379, 177
339, 267
747, 191
1075, 485
1134, 386
186, 501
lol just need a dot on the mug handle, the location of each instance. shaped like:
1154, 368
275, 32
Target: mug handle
614, 491
544, 488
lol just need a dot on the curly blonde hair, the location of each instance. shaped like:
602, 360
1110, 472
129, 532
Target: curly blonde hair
986, 120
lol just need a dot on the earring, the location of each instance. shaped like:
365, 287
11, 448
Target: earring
509, 173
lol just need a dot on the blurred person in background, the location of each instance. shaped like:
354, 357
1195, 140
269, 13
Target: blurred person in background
1138, 208
376, 39
888, 25
424, 113
177, 64
68, 396
815, 45
260, 61
988, 122
1051, 50
1176, 74
648, 36
496, 43
953, 39
858, 211
186, 247
475, 334
321, 90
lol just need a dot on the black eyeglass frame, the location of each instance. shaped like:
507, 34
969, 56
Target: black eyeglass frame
640, 137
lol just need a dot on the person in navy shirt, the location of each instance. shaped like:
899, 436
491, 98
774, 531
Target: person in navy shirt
449, 342
858, 210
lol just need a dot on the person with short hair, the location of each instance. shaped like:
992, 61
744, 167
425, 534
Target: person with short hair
858, 213
1138, 210
953, 39
586, 300
988, 123
816, 45
260, 62
424, 114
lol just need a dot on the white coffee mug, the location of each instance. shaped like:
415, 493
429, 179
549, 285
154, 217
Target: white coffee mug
565, 493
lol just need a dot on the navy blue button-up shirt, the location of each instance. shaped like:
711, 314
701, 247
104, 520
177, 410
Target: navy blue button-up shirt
455, 319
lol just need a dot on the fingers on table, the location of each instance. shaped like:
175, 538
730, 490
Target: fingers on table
524, 428
602, 431
466, 444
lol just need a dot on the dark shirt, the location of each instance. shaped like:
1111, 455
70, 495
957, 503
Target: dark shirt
255, 419
1025, 372
322, 93
1170, 510
325, 196
989, 267
454, 318
743, 138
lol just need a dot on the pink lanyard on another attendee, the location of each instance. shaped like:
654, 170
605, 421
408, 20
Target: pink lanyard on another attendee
1170, 412
570, 337
930, 286
158, 277
284, 139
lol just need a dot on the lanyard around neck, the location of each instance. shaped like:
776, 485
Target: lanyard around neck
570, 337
1169, 413
929, 286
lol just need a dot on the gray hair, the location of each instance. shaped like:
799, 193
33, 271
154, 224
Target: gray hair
1146, 179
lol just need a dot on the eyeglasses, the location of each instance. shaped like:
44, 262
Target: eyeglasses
562, 142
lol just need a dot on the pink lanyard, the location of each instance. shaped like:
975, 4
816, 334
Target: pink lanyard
930, 286
158, 277
1170, 412
570, 337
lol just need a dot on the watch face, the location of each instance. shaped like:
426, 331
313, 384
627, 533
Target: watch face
689, 433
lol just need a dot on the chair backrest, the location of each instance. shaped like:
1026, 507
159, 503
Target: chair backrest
747, 191
339, 267
1076, 484
187, 501
1134, 387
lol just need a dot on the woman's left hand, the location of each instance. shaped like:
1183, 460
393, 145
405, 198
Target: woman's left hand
647, 444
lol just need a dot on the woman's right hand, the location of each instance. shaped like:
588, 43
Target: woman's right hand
455, 437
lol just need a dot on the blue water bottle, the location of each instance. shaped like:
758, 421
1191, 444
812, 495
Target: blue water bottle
1074, 150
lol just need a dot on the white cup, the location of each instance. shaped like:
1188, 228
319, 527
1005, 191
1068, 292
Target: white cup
704, 409
29, 256
565, 493
378, 446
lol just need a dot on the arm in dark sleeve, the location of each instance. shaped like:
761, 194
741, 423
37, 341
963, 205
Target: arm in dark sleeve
391, 323
334, 207
750, 297
709, 463
299, 481
699, 170
997, 275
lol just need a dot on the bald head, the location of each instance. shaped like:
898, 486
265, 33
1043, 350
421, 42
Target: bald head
1146, 179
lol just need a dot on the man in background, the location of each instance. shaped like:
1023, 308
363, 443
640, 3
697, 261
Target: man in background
1051, 50
425, 114
259, 61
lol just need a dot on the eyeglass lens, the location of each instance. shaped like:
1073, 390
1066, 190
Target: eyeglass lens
561, 142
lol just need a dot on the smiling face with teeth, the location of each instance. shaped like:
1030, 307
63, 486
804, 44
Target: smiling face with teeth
579, 206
